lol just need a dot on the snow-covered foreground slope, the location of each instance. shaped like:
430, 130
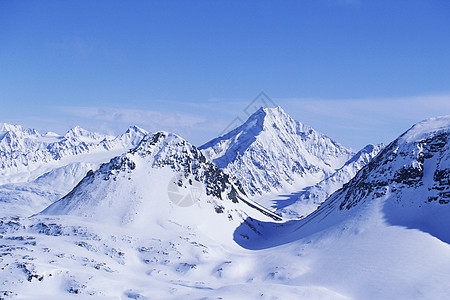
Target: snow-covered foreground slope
65, 257
307, 200
38, 169
271, 151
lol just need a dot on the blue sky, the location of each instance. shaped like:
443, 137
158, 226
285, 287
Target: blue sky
359, 71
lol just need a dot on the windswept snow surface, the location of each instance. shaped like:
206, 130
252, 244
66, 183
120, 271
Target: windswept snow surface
121, 234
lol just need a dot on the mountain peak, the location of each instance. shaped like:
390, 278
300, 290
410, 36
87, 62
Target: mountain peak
274, 110
163, 146
18, 129
86, 136
77, 131
277, 109
234, 143
271, 150
136, 128
155, 138
9, 127
426, 128
27, 150
269, 115
159, 137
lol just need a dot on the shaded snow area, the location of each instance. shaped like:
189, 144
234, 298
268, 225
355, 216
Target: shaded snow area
165, 220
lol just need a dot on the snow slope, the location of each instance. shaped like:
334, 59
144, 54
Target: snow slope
271, 151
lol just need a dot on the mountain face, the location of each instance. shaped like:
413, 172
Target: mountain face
418, 162
26, 150
413, 176
311, 197
150, 179
271, 151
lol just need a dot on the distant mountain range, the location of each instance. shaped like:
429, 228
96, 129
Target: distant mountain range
24, 150
37, 169
269, 154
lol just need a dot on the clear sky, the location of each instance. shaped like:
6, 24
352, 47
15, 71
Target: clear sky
360, 71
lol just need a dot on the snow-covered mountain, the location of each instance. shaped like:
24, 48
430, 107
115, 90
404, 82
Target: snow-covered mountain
24, 151
271, 151
37, 169
161, 212
27, 198
311, 197
155, 223
385, 233
409, 179
406, 184
163, 166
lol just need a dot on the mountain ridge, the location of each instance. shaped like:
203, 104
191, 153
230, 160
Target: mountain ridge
23, 150
37, 169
